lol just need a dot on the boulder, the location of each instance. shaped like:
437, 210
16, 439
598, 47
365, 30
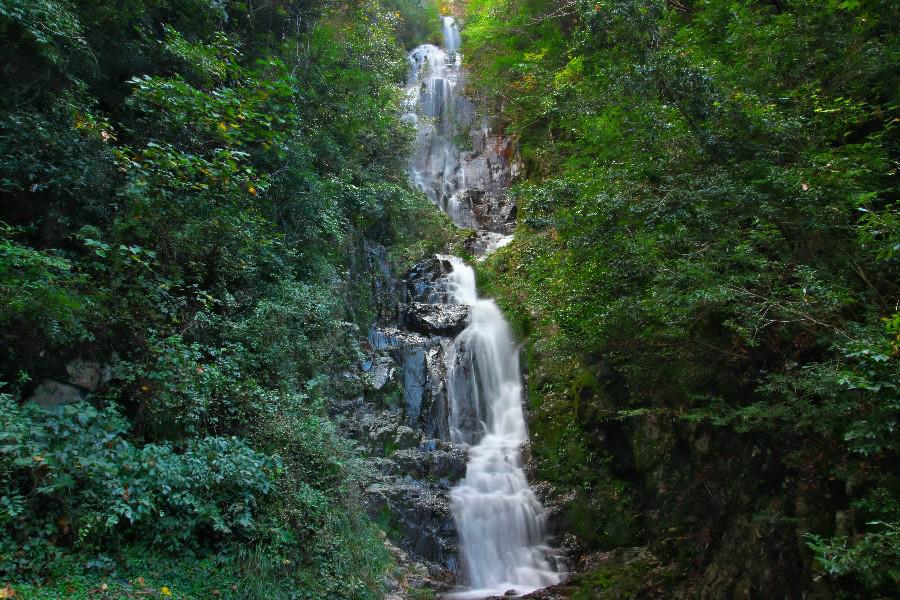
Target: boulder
426, 281
382, 372
51, 394
447, 464
434, 319
88, 374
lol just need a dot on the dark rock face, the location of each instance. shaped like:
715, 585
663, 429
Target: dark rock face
444, 462
421, 511
386, 290
426, 282
490, 167
400, 422
434, 319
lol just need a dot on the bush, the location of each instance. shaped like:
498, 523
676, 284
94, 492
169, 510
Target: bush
73, 475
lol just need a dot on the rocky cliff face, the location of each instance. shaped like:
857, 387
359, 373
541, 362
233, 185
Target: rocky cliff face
400, 421
491, 166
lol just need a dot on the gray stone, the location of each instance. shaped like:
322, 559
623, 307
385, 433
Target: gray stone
426, 281
436, 412
51, 394
434, 319
88, 374
382, 372
421, 512
436, 464
383, 427
406, 437
491, 166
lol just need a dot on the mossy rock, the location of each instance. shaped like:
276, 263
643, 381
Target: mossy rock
651, 440
622, 574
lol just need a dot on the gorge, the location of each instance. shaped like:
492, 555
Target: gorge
449, 299
499, 520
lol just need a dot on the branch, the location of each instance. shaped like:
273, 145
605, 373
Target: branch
563, 11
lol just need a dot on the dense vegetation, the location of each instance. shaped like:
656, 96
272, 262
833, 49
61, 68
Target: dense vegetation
706, 269
705, 273
186, 189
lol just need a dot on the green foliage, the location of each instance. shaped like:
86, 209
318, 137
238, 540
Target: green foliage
76, 476
189, 193
417, 21
709, 231
40, 293
866, 556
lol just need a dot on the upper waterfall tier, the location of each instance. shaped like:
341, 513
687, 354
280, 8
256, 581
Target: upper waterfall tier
440, 115
468, 183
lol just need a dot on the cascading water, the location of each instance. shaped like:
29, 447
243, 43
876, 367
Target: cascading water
499, 519
501, 523
440, 116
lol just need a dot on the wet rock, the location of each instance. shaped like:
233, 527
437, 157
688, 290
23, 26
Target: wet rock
415, 380
436, 413
409, 577
389, 338
406, 437
411, 465
434, 319
485, 243
411, 461
421, 512
556, 592
52, 394
408, 350
447, 464
420, 362
490, 167
426, 281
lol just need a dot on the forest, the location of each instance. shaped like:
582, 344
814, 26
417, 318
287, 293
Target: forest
202, 203
706, 270
184, 186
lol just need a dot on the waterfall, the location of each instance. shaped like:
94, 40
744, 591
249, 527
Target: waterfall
500, 521
440, 115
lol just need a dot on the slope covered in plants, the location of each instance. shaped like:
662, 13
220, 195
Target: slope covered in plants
186, 193
706, 272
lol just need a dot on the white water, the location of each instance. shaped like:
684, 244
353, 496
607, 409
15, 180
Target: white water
501, 524
434, 107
